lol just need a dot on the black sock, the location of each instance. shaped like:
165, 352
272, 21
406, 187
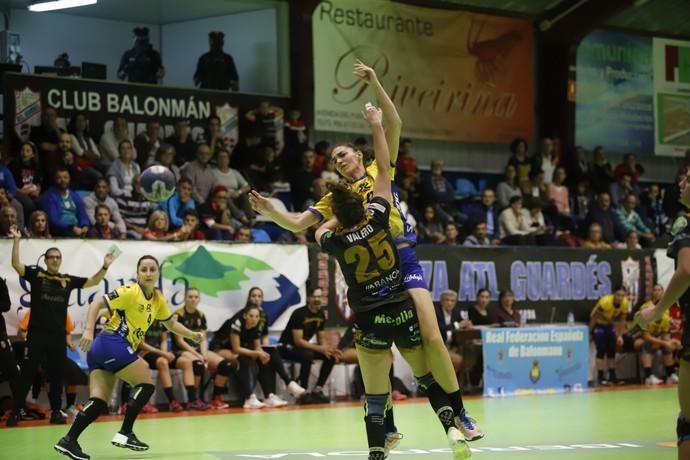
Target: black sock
169, 394
439, 402
140, 396
86, 416
600, 375
71, 398
612, 375
374, 420
669, 371
390, 420
647, 372
191, 393
456, 403
217, 390
124, 393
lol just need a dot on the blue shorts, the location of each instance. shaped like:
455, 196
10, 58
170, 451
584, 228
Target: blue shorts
603, 331
110, 352
413, 277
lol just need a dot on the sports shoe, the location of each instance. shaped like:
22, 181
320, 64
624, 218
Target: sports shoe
149, 408
673, 378
252, 402
197, 404
14, 418
392, 440
218, 403
653, 380
604, 382
70, 448
468, 426
318, 397
295, 389
458, 445
129, 441
56, 418
71, 411
175, 406
275, 401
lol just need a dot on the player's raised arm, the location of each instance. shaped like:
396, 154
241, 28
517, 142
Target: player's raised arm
288, 220
382, 183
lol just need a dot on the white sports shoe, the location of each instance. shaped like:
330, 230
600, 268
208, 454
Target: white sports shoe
653, 380
274, 401
673, 378
252, 402
72, 411
458, 445
295, 389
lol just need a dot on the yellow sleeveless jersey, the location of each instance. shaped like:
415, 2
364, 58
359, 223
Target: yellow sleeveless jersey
608, 312
659, 327
132, 313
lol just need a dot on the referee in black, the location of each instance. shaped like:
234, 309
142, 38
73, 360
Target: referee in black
45, 341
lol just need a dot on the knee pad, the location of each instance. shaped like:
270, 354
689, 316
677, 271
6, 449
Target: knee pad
682, 429
142, 392
425, 381
225, 368
198, 367
375, 405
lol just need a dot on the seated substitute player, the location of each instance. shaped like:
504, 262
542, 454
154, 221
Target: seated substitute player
657, 337
608, 324
384, 313
195, 320
111, 355
295, 344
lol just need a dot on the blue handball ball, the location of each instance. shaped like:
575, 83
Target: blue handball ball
157, 183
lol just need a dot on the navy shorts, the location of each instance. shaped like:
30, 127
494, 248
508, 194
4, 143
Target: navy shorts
413, 277
603, 331
110, 352
379, 328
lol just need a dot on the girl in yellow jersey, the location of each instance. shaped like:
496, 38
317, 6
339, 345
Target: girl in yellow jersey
608, 325
112, 355
656, 337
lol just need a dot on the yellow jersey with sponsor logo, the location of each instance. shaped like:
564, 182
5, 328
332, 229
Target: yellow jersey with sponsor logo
605, 312
659, 327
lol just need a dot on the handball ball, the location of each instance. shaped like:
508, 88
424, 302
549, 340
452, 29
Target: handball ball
157, 183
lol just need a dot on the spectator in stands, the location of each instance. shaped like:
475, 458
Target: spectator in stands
182, 142
178, 203
8, 222
141, 64
295, 134
519, 161
543, 234
546, 160
450, 318
65, 208
147, 143
412, 190
602, 214
479, 314
216, 68
216, 216
135, 209
406, 166
322, 150
191, 226
243, 235
629, 219
302, 181
600, 172
608, 323
123, 170
200, 173
439, 190
558, 192
237, 185
83, 178
45, 137
111, 139
652, 210
319, 189
329, 173
430, 229
672, 204
479, 237
264, 120
507, 315
594, 238
7, 182
100, 195
486, 211
165, 156
632, 241
6, 200
657, 336
631, 167
158, 228
263, 170
451, 234
580, 170
508, 188
102, 228
38, 225
581, 203
212, 135
514, 223
537, 185
621, 189
295, 343
83, 144
28, 178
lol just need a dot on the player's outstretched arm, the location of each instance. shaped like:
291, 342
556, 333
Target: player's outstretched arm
289, 221
176, 327
680, 282
382, 183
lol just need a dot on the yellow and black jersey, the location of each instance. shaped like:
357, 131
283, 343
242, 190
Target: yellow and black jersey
194, 321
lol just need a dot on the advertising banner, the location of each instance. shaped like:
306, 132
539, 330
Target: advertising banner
452, 75
223, 273
534, 360
614, 93
25, 96
672, 96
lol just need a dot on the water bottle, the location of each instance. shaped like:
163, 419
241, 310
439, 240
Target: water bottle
331, 390
571, 318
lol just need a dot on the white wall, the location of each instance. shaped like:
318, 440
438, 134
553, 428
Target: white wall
45, 35
251, 38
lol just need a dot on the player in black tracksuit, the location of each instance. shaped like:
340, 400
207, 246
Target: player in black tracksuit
8, 363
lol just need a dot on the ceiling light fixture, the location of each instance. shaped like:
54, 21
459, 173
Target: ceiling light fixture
59, 5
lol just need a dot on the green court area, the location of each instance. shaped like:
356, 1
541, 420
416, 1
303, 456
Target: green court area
625, 424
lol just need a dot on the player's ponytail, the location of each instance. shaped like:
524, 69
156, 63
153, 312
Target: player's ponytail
348, 207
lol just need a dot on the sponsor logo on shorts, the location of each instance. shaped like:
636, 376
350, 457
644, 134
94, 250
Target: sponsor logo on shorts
400, 318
